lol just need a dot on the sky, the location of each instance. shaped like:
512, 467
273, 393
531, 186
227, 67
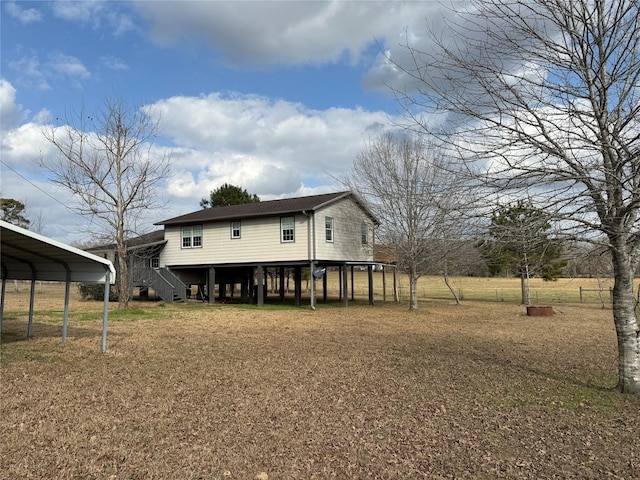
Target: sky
276, 97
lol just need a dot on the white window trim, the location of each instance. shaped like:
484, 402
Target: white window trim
191, 236
293, 229
330, 229
236, 237
364, 234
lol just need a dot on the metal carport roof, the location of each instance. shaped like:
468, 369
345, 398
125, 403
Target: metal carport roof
27, 255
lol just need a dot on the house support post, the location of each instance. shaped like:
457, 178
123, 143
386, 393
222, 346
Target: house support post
395, 285
384, 283
370, 278
345, 287
244, 288
260, 286
353, 289
211, 284
281, 274
324, 286
312, 279
340, 273
298, 284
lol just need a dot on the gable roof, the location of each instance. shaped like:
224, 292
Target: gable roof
259, 209
145, 240
29, 256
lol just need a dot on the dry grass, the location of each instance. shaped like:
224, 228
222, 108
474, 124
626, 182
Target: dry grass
205, 392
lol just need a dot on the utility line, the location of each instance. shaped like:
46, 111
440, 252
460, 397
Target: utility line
36, 186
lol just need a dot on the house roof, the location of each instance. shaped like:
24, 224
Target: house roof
260, 209
143, 241
29, 256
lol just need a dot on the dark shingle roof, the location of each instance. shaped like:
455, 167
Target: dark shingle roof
259, 209
135, 242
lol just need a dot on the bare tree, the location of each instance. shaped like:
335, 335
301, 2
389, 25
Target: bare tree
541, 98
407, 186
107, 163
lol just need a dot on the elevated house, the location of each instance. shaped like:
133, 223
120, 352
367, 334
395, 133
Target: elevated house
225, 252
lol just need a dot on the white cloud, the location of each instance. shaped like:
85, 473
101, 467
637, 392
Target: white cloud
29, 73
11, 113
77, 11
272, 148
24, 15
268, 147
260, 34
114, 15
114, 63
68, 65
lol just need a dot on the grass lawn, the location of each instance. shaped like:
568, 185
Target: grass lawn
197, 391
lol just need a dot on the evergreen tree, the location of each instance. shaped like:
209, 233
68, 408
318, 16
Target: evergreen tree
520, 242
228, 195
13, 212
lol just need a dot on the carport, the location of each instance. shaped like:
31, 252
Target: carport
28, 256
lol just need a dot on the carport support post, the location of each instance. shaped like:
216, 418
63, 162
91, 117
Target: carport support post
65, 318
4, 289
105, 310
31, 300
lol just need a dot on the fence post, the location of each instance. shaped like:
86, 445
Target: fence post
580, 294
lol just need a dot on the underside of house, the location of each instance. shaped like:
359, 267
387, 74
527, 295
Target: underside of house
251, 283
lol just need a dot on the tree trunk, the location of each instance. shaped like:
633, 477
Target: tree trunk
448, 284
626, 323
122, 280
413, 288
525, 290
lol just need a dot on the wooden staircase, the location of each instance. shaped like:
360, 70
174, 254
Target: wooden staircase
164, 282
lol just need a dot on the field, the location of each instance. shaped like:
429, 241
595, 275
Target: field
197, 391
564, 290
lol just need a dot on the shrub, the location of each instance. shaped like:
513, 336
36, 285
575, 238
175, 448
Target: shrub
95, 291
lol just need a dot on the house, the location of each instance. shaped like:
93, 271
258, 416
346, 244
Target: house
239, 245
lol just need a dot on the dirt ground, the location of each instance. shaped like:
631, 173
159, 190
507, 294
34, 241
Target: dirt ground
224, 392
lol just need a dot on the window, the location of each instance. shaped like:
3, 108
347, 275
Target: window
154, 262
364, 231
235, 229
328, 229
192, 236
287, 225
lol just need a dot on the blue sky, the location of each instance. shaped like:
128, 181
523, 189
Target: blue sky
276, 97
